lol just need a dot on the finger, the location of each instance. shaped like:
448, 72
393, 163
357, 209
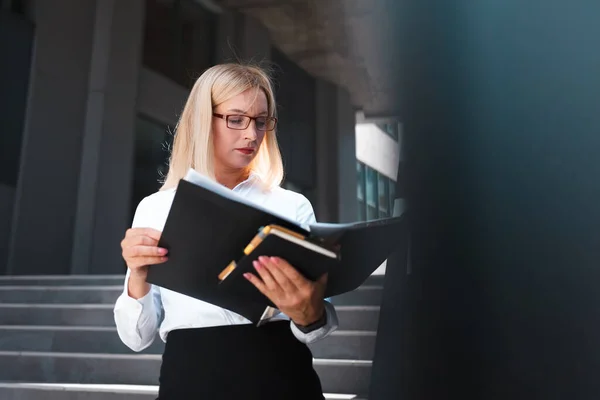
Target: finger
151, 232
144, 251
282, 279
257, 283
139, 240
265, 274
138, 262
294, 276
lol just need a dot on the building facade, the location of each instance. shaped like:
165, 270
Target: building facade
91, 95
378, 153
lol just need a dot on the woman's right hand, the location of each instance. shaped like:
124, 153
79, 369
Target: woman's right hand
140, 249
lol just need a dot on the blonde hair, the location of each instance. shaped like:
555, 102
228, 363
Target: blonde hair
193, 143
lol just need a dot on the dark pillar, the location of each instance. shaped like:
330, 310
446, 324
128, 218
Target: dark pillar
45, 197
501, 109
16, 43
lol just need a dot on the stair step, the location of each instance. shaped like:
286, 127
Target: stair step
356, 345
61, 280
358, 317
340, 345
366, 295
60, 294
59, 331
101, 280
108, 294
57, 314
350, 317
57, 391
337, 376
36, 391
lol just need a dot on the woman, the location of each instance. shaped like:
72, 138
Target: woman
227, 132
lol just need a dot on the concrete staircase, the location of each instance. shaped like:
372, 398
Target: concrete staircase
58, 342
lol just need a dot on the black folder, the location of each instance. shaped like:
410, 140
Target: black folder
209, 226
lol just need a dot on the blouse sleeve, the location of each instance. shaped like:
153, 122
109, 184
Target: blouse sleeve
137, 320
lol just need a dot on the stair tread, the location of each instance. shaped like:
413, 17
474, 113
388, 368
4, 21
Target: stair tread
58, 277
114, 329
139, 356
60, 287
57, 305
73, 306
121, 389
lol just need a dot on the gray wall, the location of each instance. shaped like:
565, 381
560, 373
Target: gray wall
335, 154
295, 93
241, 38
159, 97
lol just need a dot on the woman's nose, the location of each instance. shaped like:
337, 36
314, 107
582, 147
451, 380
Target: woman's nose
250, 132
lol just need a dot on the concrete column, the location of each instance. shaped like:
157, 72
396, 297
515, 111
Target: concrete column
7, 196
336, 155
46, 193
16, 39
103, 208
346, 158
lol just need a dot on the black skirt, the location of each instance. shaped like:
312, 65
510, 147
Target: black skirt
238, 362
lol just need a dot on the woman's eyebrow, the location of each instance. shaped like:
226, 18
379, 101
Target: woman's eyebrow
237, 110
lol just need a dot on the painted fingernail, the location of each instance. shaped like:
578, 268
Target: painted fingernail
247, 275
275, 259
262, 259
162, 251
164, 258
257, 265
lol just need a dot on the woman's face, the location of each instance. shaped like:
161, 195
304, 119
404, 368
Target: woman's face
236, 145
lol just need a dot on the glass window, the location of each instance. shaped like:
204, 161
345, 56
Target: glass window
360, 190
362, 213
360, 180
391, 128
384, 195
371, 193
372, 213
392, 195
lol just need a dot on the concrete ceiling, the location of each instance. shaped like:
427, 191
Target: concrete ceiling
348, 42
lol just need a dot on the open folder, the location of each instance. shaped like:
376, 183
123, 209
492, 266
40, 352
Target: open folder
213, 235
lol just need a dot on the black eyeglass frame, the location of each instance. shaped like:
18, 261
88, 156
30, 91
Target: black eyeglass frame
227, 116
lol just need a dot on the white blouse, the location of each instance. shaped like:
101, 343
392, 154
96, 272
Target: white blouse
163, 310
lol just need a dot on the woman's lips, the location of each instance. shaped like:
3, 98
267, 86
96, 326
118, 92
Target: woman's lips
246, 150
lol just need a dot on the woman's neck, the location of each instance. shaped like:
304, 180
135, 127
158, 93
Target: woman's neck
231, 178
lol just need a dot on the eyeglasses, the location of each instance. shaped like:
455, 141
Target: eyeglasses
241, 122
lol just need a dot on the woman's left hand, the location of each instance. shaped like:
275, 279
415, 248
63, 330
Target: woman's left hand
297, 297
